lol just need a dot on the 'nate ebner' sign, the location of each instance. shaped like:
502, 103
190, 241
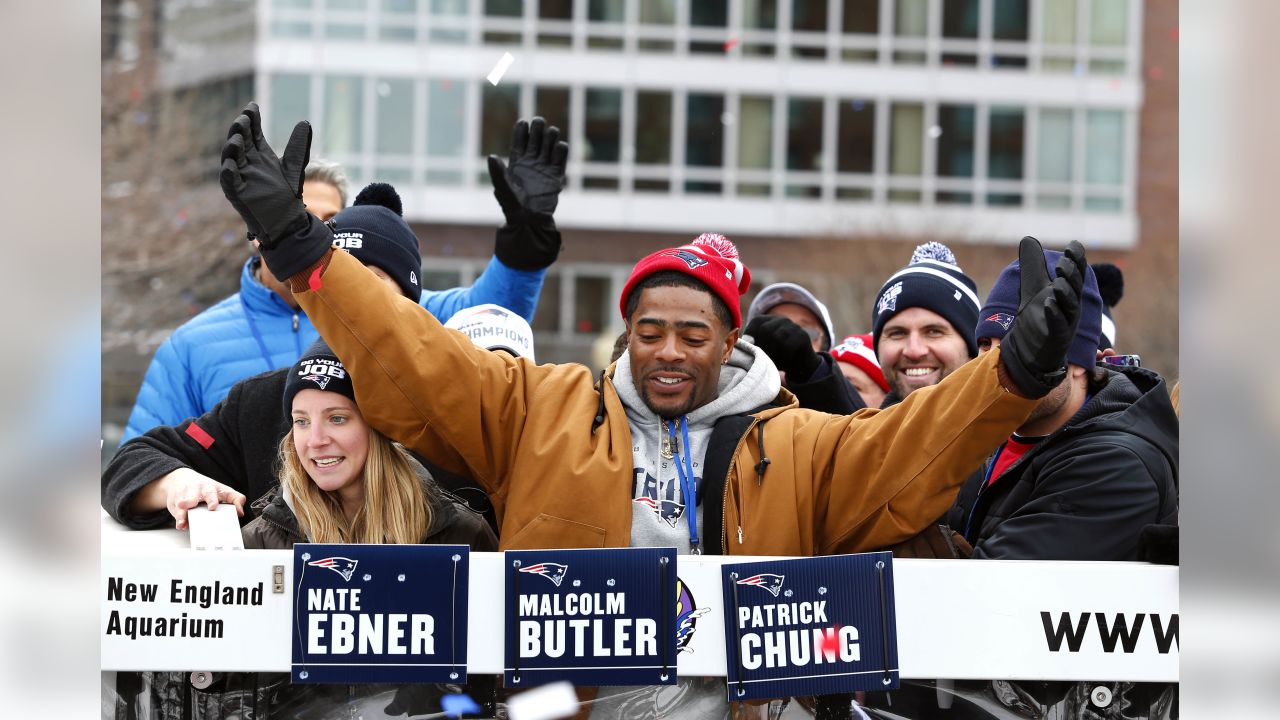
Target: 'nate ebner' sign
810, 626
380, 613
592, 617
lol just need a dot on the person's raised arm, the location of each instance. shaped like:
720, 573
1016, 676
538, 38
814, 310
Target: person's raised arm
528, 189
418, 383
895, 471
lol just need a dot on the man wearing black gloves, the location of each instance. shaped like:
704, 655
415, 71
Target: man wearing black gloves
227, 455
794, 329
545, 439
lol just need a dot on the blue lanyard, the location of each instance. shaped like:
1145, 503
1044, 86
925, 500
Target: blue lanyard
687, 486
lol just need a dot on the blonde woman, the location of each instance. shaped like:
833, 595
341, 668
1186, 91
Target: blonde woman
341, 481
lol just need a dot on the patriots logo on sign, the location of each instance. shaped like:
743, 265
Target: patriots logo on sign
768, 581
343, 566
1003, 319
889, 300
319, 380
552, 571
690, 259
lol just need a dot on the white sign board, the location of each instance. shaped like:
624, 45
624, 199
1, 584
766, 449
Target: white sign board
177, 609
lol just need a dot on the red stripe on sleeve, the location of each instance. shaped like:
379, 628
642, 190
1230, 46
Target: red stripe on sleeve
313, 282
197, 433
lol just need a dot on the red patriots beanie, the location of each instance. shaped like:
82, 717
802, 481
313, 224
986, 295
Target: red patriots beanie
711, 258
857, 351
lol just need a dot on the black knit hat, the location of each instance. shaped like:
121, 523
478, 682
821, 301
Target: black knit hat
317, 369
1001, 308
374, 233
933, 281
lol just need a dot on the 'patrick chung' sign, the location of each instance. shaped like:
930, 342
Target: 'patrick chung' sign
380, 613
810, 626
592, 617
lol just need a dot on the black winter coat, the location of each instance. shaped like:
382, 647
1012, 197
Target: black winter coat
1086, 491
272, 695
235, 443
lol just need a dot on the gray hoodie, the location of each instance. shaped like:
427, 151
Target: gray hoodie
749, 380
659, 509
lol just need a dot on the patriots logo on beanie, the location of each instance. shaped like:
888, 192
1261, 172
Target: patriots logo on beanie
693, 261
711, 258
1004, 320
933, 281
322, 381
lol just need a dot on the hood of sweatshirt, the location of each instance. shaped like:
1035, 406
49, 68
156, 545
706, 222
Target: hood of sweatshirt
667, 456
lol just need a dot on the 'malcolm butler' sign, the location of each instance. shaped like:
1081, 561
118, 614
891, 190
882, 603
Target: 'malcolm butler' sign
811, 626
592, 617
380, 613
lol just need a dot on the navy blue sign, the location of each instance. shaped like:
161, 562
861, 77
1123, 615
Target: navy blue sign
380, 613
811, 626
592, 617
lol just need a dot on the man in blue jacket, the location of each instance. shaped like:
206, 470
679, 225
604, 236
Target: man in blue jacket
262, 328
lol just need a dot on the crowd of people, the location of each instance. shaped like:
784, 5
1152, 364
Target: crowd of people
950, 426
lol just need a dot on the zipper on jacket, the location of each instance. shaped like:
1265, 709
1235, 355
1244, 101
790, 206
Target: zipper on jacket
295, 322
724, 520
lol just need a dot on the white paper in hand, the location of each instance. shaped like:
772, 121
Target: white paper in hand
217, 529
556, 700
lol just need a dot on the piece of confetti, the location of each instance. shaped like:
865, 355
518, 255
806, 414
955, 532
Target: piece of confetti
457, 703
555, 700
730, 44
495, 75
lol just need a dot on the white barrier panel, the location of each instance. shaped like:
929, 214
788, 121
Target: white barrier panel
956, 619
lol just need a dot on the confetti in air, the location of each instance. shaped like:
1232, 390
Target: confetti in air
495, 75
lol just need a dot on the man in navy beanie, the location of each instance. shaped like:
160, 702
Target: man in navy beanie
921, 321
1093, 465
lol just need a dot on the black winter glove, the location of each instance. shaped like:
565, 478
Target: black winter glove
1034, 352
267, 192
528, 189
786, 344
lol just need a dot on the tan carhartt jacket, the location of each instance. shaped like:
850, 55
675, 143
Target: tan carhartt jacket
557, 461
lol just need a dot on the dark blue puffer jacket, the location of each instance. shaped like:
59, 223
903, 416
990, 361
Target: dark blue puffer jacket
254, 331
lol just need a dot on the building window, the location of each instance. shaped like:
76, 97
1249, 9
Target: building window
290, 100
704, 140
656, 19
960, 22
591, 302
653, 141
602, 134
804, 146
855, 140
755, 145
759, 19
343, 114
906, 151
547, 317
708, 25
1005, 137
809, 23
1054, 152
500, 108
552, 103
954, 142
395, 122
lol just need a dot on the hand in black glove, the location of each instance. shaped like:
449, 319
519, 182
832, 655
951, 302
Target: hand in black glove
786, 343
1035, 350
267, 192
531, 181
528, 189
